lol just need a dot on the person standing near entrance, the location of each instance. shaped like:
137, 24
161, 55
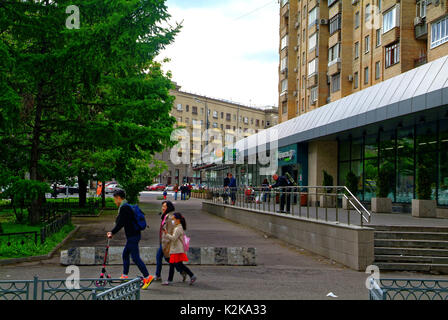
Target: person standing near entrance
232, 187
226, 189
175, 189
126, 219
282, 183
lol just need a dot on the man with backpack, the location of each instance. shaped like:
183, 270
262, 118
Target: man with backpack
133, 221
282, 183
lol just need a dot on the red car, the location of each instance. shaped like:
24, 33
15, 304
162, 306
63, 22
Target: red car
156, 187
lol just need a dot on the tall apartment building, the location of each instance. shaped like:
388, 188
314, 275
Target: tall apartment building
210, 123
330, 49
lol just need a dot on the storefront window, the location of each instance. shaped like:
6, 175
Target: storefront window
427, 153
344, 168
370, 166
443, 160
356, 149
387, 155
344, 150
405, 165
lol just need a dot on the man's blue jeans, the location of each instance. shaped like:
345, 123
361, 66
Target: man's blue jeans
159, 260
131, 249
175, 196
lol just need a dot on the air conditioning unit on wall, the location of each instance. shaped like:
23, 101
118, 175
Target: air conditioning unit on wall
323, 21
350, 78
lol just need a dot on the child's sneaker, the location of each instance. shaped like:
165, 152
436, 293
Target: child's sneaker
124, 277
147, 282
193, 280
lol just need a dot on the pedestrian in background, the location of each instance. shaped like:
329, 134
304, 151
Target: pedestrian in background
177, 249
165, 193
233, 188
175, 189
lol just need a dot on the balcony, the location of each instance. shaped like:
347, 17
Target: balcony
420, 61
421, 30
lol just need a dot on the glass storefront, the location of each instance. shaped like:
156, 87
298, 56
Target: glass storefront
403, 151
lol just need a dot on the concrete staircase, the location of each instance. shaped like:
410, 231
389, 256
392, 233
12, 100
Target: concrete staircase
409, 248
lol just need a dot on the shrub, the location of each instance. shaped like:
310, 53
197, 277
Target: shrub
352, 183
328, 180
423, 187
384, 181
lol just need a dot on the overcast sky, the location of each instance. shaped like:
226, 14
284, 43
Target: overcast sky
227, 49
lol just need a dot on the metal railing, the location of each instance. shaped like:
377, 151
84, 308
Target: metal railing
335, 203
56, 289
126, 291
408, 289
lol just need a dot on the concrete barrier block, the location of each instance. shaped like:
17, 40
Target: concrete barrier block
208, 256
70, 257
221, 256
148, 254
87, 256
115, 255
194, 256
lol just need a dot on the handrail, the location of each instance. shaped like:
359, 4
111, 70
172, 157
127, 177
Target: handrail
259, 197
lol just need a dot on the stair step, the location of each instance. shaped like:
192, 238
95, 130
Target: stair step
422, 267
406, 235
411, 251
437, 244
409, 228
411, 259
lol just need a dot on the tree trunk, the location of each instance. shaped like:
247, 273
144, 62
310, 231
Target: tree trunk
82, 184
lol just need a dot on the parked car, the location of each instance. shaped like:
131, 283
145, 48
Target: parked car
169, 188
156, 187
111, 188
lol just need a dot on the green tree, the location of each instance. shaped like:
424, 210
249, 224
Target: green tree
83, 91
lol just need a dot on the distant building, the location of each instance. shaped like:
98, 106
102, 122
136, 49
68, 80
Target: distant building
207, 118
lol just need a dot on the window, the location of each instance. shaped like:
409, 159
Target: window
356, 80
378, 37
377, 69
366, 44
187, 108
312, 16
392, 54
284, 2
313, 95
356, 50
257, 122
284, 107
439, 32
303, 59
335, 24
368, 12
179, 107
335, 82
215, 114
215, 125
421, 9
227, 126
284, 64
187, 120
366, 75
357, 20
379, 5
284, 86
334, 53
312, 67
284, 42
312, 41
228, 117
390, 20
194, 110
246, 120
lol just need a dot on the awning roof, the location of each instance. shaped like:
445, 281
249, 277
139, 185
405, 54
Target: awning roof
419, 89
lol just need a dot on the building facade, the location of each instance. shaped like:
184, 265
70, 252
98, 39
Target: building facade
331, 49
209, 125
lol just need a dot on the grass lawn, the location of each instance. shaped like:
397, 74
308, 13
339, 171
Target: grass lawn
14, 248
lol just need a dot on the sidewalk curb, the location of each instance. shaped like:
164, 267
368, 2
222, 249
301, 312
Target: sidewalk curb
43, 257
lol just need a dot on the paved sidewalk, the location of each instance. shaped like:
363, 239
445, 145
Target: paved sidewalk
283, 271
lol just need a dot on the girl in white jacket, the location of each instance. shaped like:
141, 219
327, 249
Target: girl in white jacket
177, 252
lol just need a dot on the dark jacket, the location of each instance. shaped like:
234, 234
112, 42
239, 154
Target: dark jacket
226, 182
126, 219
282, 181
232, 183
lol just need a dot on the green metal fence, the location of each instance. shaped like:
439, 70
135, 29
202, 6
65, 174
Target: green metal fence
408, 289
56, 289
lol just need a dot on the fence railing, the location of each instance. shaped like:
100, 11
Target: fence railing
56, 289
21, 237
125, 291
55, 226
408, 289
318, 202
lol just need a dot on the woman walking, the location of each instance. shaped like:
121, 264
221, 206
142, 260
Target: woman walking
177, 251
164, 248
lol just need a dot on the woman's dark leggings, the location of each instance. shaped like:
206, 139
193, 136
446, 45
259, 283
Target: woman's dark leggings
178, 266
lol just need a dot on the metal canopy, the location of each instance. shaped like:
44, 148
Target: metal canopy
417, 90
